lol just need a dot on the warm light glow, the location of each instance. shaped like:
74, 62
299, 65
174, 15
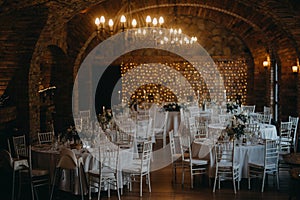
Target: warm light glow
148, 19
123, 19
295, 69
266, 63
110, 23
154, 22
97, 22
161, 21
133, 23
102, 20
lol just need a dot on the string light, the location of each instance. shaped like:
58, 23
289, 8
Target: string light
234, 74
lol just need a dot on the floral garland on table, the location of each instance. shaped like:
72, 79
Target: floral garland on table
237, 125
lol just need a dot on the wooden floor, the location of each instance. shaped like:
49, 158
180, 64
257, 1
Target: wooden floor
162, 188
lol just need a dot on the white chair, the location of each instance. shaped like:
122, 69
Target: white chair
68, 161
46, 137
294, 121
37, 177
107, 173
252, 129
140, 168
248, 108
267, 110
175, 154
285, 138
8, 164
20, 146
84, 114
195, 166
202, 126
268, 166
226, 167
160, 125
192, 128
224, 118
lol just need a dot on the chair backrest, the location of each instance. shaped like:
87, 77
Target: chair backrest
109, 157
126, 131
252, 128
160, 120
185, 145
271, 154
267, 110
202, 126
192, 127
264, 118
224, 118
248, 108
224, 152
146, 156
285, 136
172, 145
294, 121
85, 113
20, 146
78, 123
46, 137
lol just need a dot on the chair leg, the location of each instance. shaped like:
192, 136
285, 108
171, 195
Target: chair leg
149, 182
57, 171
263, 181
141, 185
277, 181
233, 182
215, 182
13, 186
80, 183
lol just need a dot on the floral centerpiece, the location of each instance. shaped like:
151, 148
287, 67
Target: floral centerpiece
105, 118
172, 107
232, 107
236, 126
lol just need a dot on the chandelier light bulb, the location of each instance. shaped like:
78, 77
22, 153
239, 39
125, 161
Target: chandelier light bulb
154, 22
102, 20
134, 23
97, 22
123, 19
110, 23
161, 20
148, 20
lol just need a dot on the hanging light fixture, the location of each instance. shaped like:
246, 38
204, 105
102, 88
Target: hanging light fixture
174, 37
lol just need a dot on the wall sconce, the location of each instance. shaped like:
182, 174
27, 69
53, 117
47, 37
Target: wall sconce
295, 68
266, 63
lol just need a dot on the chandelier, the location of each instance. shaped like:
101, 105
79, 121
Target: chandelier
154, 27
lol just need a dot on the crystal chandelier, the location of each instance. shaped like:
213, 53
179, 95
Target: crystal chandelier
154, 27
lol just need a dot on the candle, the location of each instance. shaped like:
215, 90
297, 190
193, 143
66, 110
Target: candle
198, 94
119, 95
225, 95
103, 109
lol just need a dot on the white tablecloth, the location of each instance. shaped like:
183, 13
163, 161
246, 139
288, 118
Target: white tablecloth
268, 131
243, 154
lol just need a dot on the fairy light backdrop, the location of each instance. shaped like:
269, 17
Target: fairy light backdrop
234, 73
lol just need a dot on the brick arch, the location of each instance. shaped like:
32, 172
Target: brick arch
266, 14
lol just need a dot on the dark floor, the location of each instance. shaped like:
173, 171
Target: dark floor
162, 188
